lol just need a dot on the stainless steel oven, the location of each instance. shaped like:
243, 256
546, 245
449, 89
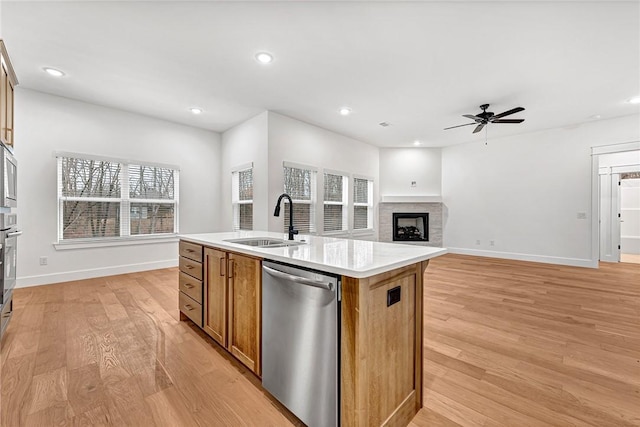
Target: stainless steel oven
8, 175
8, 253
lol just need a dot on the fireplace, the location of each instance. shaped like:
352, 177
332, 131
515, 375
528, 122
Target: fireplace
411, 227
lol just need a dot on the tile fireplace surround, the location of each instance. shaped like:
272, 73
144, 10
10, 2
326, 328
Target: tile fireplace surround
385, 221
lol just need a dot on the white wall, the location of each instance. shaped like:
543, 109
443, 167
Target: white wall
298, 142
242, 144
525, 192
47, 123
400, 166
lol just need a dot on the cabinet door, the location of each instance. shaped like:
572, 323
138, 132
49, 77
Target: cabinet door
9, 134
215, 304
4, 82
245, 280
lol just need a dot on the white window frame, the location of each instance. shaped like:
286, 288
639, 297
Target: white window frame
313, 196
235, 194
124, 200
344, 203
368, 204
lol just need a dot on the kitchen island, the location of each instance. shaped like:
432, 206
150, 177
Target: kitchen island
380, 320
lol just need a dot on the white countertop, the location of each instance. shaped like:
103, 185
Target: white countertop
354, 258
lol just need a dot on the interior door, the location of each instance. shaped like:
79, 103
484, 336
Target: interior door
610, 217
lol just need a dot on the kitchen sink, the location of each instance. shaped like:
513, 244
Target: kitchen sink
265, 242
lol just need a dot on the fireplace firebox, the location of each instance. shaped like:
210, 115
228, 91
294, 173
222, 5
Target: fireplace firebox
411, 227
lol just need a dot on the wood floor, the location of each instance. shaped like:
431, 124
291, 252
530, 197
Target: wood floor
634, 258
506, 344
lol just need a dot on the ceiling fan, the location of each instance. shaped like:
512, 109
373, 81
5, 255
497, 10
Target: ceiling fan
487, 117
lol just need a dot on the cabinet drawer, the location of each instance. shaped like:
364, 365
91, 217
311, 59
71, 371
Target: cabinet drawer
191, 267
191, 287
191, 308
7, 311
191, 251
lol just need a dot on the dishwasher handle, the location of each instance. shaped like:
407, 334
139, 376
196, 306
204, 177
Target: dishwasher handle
298, 279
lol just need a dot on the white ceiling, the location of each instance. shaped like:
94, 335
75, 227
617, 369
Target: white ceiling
416, 65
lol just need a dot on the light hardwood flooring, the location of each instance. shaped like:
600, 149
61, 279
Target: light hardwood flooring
633, 258
506, 343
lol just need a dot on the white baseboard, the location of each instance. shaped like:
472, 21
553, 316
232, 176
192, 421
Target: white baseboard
574, 262
67, 276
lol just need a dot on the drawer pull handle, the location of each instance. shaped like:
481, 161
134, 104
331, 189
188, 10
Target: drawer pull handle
189, 250
189, 266
222, 264
188, 307
189, 286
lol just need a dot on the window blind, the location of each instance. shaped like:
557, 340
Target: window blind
299, 183
242, 199
107, 198
362, 203
335, 202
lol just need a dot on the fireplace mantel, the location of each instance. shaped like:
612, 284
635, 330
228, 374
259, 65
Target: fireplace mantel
410, 199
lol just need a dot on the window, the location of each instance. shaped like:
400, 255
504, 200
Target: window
300, 184
242, 198
110, 198
335, 202
362, 203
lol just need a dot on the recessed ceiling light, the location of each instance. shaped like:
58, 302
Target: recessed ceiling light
196, 110
416, 142
344, 111
595, 117
264, 57
53, 72
635, 100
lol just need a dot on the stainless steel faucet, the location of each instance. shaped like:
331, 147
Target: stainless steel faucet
276, 212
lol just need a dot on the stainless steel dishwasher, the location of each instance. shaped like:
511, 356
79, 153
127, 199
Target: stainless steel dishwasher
300, 341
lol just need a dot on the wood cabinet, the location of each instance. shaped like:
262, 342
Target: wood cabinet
381, 341
245, 285
190, 282
8, 81
232, 304
215, 303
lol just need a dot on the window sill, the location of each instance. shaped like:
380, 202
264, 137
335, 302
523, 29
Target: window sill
363, 231
106, 243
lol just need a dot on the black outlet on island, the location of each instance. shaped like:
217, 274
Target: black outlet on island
393, 296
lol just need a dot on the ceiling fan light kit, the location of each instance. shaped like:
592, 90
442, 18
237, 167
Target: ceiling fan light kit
486, 117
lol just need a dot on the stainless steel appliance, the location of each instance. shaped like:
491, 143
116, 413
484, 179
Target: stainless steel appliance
300, 341
8, 258
8, 181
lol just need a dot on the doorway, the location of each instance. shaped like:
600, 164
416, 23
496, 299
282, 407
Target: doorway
619, 206
630, 217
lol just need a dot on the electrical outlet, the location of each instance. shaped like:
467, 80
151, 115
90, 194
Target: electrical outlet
581, 215
44, 260
413, 183
477, 242
492, 242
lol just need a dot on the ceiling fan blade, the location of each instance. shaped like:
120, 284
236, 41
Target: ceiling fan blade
508, 121
467, 124
472, 117
509, 112
478, 128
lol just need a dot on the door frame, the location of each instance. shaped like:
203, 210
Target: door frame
595, 192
